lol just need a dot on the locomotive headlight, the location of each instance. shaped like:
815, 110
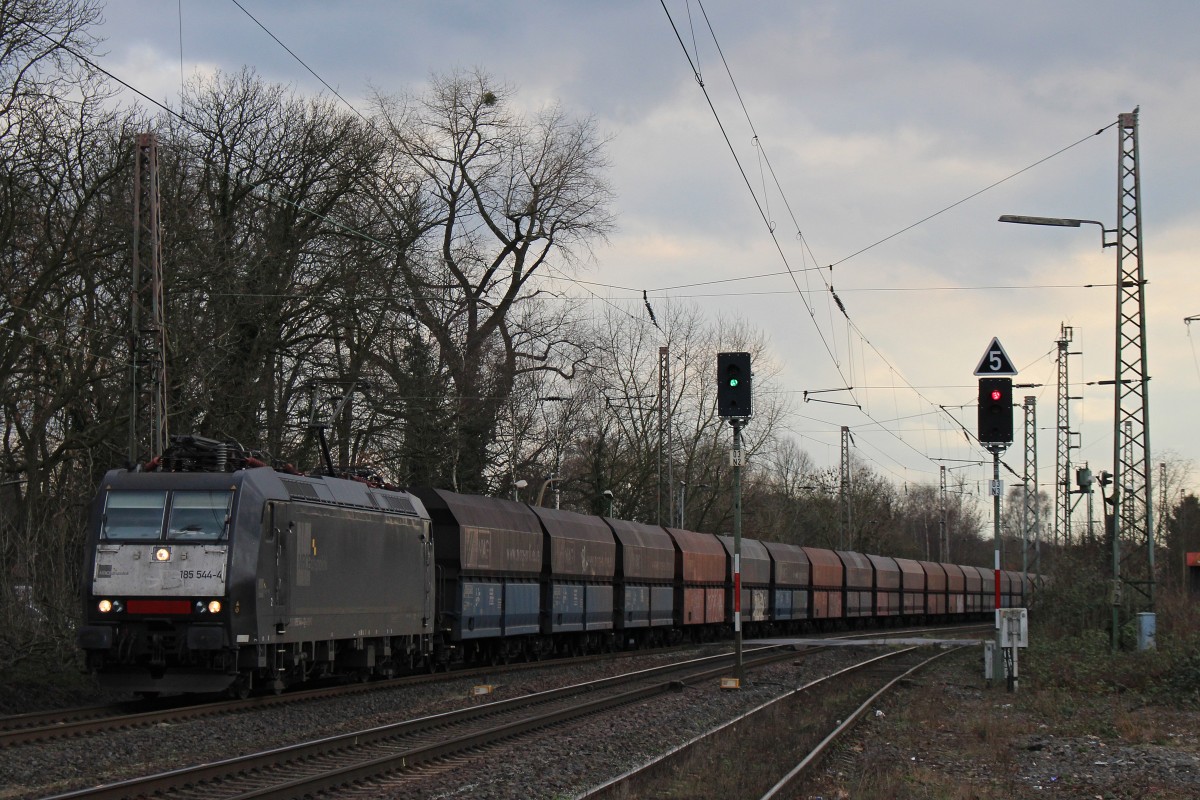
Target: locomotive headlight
105, 606
214, 606
162, 554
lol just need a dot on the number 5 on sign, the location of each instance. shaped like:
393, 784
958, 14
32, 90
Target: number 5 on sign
995, 361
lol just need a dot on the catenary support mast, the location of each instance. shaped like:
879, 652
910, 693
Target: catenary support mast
1133, 507
147, 317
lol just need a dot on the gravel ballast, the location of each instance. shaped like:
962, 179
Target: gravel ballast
943, 735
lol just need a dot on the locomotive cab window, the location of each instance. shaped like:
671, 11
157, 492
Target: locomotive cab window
134, 515
199, 516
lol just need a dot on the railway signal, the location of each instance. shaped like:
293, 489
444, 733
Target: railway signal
734, 404
995, 395
995, 434
995, 411
733, 385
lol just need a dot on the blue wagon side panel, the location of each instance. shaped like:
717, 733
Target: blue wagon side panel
565, 607
481, 541
598, 605
578, 558
662, 606
645, 575
634, 607
791, 578
522, 611
481, 609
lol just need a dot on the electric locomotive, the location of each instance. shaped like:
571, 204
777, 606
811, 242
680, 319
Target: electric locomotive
209, 571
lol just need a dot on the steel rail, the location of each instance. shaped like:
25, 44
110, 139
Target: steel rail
809, 760
643, 769
199, 776
43, 726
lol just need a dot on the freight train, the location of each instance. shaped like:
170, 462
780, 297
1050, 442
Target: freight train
209, 571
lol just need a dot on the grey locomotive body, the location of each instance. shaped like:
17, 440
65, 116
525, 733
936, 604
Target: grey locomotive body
207, 581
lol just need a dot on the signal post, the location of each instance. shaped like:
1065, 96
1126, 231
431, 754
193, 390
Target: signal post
995, 371
734, 404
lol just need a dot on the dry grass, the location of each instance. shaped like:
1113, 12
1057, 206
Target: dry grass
949, 736
748, 759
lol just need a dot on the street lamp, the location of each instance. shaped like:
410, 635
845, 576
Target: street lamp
542, 492
1131, 447
557, 450
517, 487
608, 495
1063, 222
682, 502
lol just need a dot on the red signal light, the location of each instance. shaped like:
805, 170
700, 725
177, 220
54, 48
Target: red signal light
996, 394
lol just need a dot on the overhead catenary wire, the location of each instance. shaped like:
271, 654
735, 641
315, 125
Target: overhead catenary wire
766, 213
759, 205
851, 325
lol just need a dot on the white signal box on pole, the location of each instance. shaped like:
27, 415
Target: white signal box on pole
1014, 627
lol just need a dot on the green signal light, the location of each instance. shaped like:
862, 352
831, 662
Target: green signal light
733, 381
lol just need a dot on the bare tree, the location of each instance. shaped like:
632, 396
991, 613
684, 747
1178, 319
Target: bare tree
483, 198
63, 164
40, 68
259, 188
616, 443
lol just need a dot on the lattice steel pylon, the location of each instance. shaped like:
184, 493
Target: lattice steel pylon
1031, 525
147, 315
1133, 507
943, 525
844, 492
666, 452
1062, 461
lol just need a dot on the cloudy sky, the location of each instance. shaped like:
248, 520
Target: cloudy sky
897, 133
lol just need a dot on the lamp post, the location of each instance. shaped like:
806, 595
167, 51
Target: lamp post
557, 450
608, 496
517, 487
1132, 495
542, 491
1069, 222
682, 502
1060, 222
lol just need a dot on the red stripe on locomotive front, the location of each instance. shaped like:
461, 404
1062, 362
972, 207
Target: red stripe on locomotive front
160, 607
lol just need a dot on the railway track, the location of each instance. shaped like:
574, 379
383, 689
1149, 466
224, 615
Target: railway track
801, 723
901, 668
387, 750
44, 726
91, 720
